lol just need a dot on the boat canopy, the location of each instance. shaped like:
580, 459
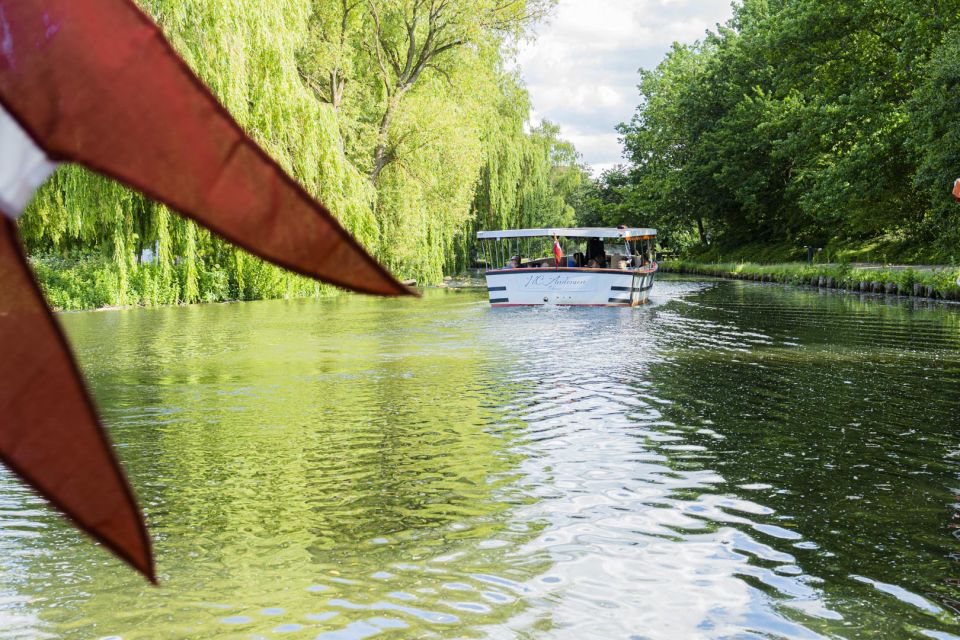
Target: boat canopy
574, 232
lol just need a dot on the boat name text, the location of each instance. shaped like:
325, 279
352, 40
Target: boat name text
559, 281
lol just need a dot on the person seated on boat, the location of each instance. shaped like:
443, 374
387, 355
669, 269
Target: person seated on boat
514, 262
596, 256
578, 259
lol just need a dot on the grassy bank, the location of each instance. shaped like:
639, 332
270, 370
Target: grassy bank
933, 283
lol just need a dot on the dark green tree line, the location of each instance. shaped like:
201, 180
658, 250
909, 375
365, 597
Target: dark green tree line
802, 121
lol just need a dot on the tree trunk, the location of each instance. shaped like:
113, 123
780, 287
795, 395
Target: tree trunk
381, 155
703, 235
334, 98
337, 81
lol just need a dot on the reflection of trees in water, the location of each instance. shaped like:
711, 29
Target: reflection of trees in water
952, 598
302, 449
848, 410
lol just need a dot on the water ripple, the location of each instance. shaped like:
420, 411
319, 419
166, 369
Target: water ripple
734, 460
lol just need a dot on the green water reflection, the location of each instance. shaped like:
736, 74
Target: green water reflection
289, 455
734, 460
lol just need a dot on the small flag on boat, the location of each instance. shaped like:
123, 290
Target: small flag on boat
557, 251
95, 82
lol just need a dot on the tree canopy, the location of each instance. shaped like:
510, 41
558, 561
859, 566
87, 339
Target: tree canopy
799, 122
402, 116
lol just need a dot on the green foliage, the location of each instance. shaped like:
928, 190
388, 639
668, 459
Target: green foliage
401, 153
83, 282
757, 252
529, 180
942, 283
804, 122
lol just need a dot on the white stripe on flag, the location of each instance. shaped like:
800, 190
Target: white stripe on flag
23, 166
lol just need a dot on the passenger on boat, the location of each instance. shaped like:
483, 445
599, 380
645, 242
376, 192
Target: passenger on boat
596, 256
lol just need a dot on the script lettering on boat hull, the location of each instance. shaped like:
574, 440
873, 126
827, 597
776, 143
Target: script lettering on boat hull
558, 282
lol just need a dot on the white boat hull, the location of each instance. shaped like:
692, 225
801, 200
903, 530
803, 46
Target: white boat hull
569, 287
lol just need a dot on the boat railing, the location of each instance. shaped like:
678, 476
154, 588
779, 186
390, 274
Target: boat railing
550, 263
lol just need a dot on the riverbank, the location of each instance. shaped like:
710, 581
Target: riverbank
92, 283
88, 281
926, 282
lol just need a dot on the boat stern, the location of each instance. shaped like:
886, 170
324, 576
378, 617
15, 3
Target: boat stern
568, 287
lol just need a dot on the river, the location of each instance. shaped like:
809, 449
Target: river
733, 460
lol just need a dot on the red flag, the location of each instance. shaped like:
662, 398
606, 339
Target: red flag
956, 189
94, 82
557, 251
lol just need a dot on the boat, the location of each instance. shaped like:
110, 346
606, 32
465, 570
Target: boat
590, 266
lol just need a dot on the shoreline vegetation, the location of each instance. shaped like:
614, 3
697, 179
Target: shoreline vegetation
939, 283
929, 283
409, 124
794, 124
798, 122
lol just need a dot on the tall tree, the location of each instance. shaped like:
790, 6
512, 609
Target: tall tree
410, 37
798, 121
306, 80
325, 61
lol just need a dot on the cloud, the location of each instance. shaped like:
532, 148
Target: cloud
582, 69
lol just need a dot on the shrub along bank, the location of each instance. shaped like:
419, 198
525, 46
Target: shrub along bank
89, 280
923, 283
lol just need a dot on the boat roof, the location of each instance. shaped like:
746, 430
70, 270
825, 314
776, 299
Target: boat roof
570, 232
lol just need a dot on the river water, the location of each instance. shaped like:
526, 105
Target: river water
733, 460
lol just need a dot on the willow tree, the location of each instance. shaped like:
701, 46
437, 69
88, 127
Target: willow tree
411, 37
422, 82
497, 199
325, 61
424, 198
246, 52
385, 110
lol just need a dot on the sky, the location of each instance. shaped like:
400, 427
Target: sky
582, 69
